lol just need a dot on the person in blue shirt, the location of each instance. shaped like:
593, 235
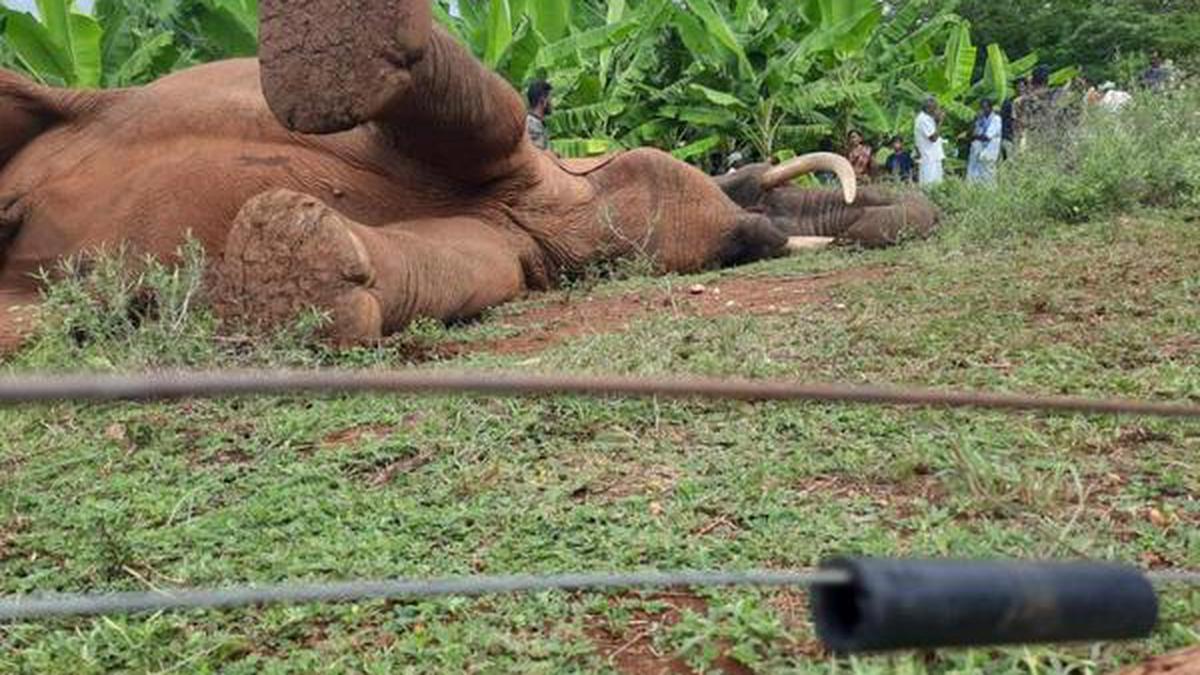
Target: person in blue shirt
900, 165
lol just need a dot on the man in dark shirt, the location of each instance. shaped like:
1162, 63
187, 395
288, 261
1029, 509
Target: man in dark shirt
1157, 76
1006, 118
539, 106
900, 165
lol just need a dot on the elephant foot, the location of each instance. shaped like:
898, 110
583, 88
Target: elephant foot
287, 253
329, 65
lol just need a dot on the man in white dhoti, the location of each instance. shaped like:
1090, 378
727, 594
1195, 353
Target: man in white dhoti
929, 143
985, 145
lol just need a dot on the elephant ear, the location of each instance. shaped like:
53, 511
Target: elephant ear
26, 110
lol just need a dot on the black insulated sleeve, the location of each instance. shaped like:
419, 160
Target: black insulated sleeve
905, 604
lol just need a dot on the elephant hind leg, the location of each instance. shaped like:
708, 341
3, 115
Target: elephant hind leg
288, 252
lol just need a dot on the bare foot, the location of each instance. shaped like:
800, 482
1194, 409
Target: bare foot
288, 252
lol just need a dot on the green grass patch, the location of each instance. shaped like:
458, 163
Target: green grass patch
1010, 297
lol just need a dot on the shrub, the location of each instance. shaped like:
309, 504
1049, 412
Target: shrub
112, 307
1147, 155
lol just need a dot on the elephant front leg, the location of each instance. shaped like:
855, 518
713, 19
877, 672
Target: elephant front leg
289, 252
330, 65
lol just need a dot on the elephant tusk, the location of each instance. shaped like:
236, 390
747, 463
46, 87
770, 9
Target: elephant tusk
817, 161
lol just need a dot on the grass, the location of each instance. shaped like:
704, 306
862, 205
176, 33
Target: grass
124, 496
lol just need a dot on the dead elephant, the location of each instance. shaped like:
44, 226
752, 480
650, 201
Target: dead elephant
365, 164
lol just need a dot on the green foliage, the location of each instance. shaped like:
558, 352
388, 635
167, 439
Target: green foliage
694, 77
703, 76
62, 48
126, 42
1148, 155
1098, 36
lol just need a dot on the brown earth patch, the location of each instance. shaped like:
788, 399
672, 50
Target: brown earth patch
902, 497
358, 434
632, 650
8, 536
616, 481
17, 319
388, 472
1180, 347
792, 608
566, 317
1185, 662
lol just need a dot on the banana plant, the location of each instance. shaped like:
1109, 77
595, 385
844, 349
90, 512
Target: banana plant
63, 48
578, 44
220, 28
126, 42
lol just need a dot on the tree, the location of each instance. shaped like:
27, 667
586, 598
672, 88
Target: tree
1100, 36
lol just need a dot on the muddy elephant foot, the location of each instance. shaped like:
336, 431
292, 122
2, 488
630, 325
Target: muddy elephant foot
329, 65
287, 253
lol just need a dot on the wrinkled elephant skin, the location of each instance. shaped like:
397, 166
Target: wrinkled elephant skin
365, 164
878, 216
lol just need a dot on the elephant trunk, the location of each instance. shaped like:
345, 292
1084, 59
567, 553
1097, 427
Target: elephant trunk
811, 213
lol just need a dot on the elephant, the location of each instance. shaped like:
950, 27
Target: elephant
366, 164
878, 217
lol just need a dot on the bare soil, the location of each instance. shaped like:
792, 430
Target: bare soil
16, 319
632, 651
1186, 662
566, 317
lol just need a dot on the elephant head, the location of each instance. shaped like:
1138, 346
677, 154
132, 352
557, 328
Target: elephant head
870, 217
684, 217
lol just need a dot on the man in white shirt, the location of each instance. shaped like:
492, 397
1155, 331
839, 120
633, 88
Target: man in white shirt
985, 145
929, 143
1114, 99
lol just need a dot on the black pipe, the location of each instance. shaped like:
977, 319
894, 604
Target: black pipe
905, 604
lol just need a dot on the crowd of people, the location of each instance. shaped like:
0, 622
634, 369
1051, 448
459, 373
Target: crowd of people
994, 134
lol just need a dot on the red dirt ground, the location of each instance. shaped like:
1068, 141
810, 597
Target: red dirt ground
1186, 662
567, 317
15, 309
633, 652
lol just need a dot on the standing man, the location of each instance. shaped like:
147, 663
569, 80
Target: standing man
900, 165
1157, 76
985, 145
539, 107
929, 143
